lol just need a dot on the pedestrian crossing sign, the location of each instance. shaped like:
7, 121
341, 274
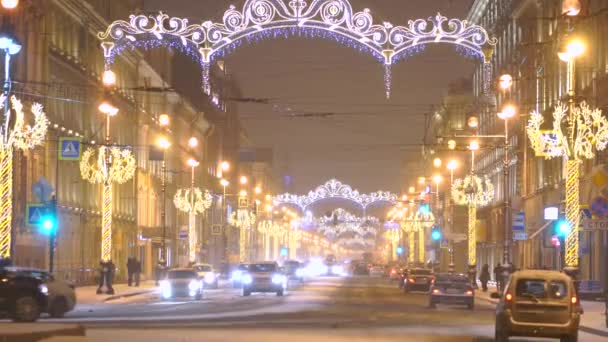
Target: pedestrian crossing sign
70, 148
216, 229
34, 212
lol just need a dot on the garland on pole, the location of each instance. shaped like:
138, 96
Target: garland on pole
193, 202
23, 137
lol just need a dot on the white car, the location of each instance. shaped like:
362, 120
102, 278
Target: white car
61, 294
208, 274
181, 283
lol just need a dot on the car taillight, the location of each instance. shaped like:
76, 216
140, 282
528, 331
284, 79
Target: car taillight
412, 280
436, 291
432, 280
509, 297
469, 293
393, 271
573, 300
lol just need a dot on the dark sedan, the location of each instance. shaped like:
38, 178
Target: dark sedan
452, 289
418, 279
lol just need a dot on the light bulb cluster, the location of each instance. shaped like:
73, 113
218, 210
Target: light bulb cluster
183, 200
473, 190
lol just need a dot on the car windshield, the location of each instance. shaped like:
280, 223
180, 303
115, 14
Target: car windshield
421, 272
451, 279
181, 274
531, 288
261, 268
203, 268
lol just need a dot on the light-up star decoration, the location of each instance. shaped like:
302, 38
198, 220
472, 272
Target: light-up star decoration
576, 135
23, 137
473, 192
106, 165
259, 19
192, 201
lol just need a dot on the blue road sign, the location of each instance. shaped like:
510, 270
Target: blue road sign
42, 189
519, 222
35, 212
70, 148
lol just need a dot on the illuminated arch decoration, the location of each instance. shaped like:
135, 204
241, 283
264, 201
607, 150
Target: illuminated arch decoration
334, 189
330, 19
342, 222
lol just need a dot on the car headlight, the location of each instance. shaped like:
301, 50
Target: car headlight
43, 289
337, 269
209, 278
246, 279
278, 279
194, 285
237, 276
299, 273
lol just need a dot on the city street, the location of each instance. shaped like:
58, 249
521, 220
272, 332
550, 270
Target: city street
340, 308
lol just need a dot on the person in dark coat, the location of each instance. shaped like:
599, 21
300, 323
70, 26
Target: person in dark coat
498, 277
130, 270
484, 277
137, 271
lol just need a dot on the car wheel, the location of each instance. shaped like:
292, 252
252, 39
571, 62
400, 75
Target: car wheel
246, 292
280, 293
569, 338
26, 310
501, 336
432, 305
58, 308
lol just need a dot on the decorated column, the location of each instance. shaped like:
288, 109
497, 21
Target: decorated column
192, 201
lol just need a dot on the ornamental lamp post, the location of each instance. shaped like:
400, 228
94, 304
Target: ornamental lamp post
224, 183
193, 201
507, 113
10, 4
163, 143
452, 165
578, 132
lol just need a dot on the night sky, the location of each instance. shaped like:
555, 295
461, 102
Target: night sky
367, 139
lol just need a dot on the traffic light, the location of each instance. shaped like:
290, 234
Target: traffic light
399, 250
563, 228
424, 209
436, 234
48, 225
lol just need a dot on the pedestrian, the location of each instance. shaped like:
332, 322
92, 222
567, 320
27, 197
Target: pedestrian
130, 269
484, 277
498, 277
137, 271
160, 268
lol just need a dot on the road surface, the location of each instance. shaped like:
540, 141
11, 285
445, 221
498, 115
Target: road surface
328, 309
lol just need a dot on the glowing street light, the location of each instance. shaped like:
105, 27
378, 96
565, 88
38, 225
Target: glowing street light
10, 4
505, 82
437, 179
452, 144
224, 183
163, 143
571, 8
508, 112
437, 162
109, 78
163, 120
193, 142
108, 109
258, 190
193, 162
225, 166
243, 180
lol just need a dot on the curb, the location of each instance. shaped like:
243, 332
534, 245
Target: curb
593, 331
33, 336
126, 295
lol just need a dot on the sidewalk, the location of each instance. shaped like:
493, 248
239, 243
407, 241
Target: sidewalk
593, 320
88, 294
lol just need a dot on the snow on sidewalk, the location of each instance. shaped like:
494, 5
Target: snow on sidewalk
88, 294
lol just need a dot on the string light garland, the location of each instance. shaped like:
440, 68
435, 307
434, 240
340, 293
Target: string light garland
193, 202
259, 19
585, 131
21, 136
242, 219
107, 165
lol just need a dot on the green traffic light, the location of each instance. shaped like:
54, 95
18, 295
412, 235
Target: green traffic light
563, 228
48, 225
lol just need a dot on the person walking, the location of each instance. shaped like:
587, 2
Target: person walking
498, 277
484, 277
137, 271
130, 270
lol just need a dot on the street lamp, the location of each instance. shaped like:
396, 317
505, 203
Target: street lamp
243, 180
505, 82
164, 144
437, 162
163, 120
108, 78
193, 142
225, 166
10, 4
507, 113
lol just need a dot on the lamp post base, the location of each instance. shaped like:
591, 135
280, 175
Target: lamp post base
573, 272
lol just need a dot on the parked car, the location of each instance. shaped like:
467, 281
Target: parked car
418, 279
22, 297
61, 294
209, 276
181, 283
538, 304
452, 288
264, 277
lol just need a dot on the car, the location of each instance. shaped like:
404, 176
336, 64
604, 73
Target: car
418, 279
181, 283
293, 270
538, 303
22, 297
394, 273
208, 274
61, 296
359, 268
237, 275
452, 288
377, 271
264, 277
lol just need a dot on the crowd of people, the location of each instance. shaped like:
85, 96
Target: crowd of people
501, 274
